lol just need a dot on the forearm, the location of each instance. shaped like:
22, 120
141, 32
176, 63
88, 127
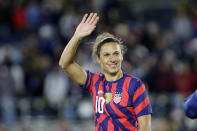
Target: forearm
69, 52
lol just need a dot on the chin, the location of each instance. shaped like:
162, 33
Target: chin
113, 71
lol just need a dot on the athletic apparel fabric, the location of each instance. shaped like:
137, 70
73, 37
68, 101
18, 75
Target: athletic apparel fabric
117, 104
190, 105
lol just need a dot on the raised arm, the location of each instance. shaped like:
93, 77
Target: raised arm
85, 28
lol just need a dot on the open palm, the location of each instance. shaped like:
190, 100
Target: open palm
87, 25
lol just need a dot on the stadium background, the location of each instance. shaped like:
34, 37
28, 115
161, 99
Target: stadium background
35, 94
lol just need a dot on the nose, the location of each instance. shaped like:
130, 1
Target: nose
112, 58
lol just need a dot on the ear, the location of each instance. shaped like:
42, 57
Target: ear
98, 59
122, 56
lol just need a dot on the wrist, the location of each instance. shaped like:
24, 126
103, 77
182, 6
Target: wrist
77, 37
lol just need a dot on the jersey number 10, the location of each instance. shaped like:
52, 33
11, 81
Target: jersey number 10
99, 104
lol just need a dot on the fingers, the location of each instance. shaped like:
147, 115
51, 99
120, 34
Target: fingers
95, 21
84, 18
92, 19
89, 18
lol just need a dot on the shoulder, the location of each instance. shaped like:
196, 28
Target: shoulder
91, 79
135, 84
135, 80
93, 75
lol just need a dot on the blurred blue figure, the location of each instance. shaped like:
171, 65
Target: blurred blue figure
33, 15
7, 104
190, 105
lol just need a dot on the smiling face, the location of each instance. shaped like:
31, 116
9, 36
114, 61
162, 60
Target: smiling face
110, 58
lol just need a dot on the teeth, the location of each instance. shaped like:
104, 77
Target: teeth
112, 65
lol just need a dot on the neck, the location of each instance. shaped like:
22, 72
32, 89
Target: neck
113, 77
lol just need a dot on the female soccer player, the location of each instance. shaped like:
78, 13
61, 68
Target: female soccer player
120, 100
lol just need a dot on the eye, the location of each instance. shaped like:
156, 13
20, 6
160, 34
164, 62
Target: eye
116, 53
106, 54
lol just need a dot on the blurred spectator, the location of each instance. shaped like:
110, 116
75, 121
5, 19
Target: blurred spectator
33, 15
7, 90
182, 28
68, 22
55, 80
19, 17
182, 25
162, 74
47, 39
184, 80
98, 5
5, 20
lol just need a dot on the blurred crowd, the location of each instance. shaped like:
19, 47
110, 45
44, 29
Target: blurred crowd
35, 93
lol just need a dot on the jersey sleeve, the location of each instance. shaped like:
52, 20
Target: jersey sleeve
87, 85
141, 102
190, 105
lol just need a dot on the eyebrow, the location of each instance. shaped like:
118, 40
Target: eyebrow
113, 52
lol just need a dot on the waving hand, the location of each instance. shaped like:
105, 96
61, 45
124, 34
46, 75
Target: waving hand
87, 25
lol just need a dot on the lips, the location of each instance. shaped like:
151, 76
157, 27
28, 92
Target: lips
113, 65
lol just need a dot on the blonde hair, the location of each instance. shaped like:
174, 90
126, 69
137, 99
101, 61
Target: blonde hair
105, 38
